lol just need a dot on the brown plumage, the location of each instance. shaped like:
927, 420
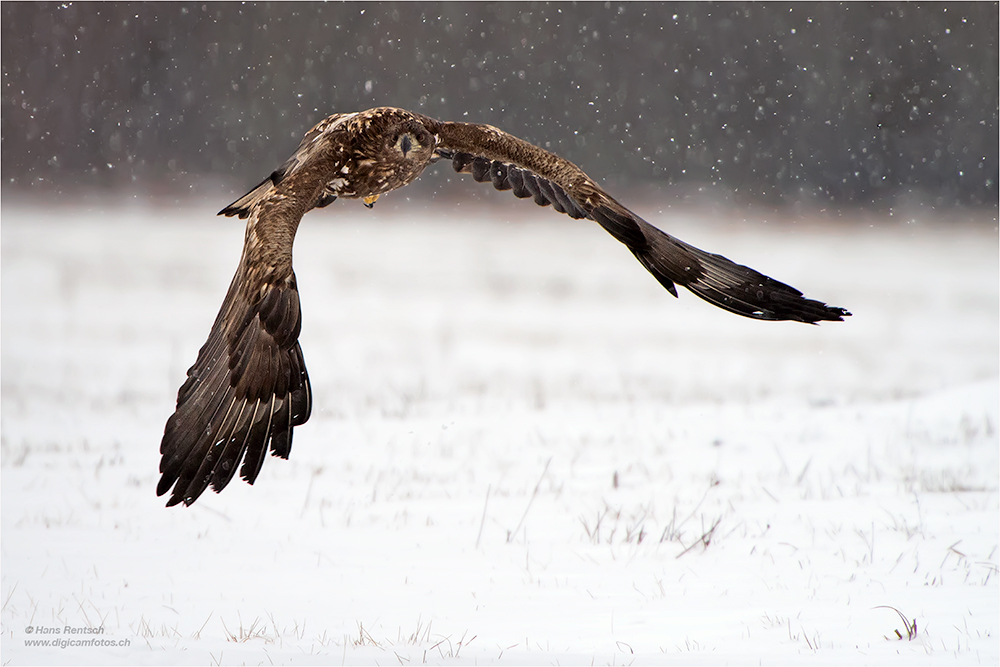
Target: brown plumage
249, 388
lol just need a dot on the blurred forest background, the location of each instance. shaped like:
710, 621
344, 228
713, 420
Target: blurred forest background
817, 104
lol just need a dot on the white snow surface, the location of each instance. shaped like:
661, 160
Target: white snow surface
522, 449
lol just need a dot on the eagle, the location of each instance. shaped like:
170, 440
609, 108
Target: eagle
248, 388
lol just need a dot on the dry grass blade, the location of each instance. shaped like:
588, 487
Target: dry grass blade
705, 539
911, 627
511, 534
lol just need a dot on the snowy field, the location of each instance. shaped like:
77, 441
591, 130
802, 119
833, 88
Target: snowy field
522, 449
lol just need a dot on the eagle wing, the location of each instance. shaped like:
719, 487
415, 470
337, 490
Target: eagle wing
249, 386
509, 163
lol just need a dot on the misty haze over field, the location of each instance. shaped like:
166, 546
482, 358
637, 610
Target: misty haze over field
821, 104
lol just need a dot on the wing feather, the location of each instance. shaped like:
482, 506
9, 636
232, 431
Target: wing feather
249, 386
510, 163
516, 178
257, 441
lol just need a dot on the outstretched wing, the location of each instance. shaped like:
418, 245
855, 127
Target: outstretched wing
249, 386
512, 164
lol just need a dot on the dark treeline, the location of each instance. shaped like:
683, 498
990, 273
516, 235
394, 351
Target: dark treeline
828, 104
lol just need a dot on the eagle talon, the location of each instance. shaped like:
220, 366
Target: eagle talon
370, 201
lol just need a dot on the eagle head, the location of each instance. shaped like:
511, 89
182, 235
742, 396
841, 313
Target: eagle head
391, 148
408, 142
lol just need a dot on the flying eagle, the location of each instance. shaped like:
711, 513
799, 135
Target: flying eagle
249, 388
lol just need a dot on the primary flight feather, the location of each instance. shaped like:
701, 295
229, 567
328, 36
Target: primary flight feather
249, 387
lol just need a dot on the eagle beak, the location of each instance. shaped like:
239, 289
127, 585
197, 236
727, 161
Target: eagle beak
370, 201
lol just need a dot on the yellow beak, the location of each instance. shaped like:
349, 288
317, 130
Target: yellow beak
370, 201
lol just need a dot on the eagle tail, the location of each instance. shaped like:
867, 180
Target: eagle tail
242, 206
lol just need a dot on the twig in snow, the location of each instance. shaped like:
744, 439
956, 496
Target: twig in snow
511, 534
706, 537
483, 520
10, 595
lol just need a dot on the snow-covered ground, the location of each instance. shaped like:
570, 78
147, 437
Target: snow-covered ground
522, 450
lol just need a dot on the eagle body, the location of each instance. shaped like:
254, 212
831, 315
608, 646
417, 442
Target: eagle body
249, 387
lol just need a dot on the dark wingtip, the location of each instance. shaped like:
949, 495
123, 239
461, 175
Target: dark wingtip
838, 314
177, 496
164, 485
817, 311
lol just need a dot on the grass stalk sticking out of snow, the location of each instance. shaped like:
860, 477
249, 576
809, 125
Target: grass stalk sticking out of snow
512, 533
911, 626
